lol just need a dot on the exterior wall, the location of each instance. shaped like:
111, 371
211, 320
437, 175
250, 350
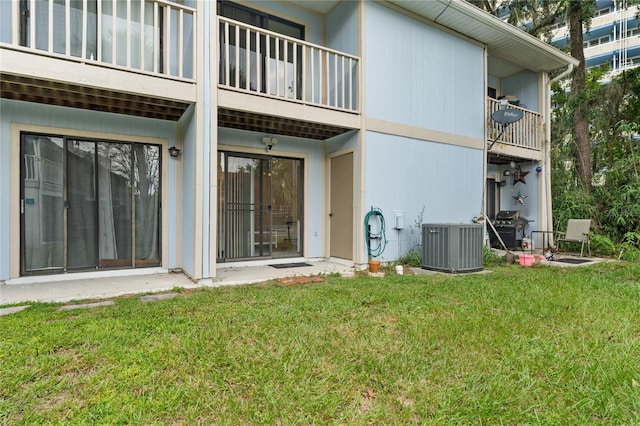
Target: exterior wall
411, 175
419, 75
313, 31
312, 152
112, 126
342, 28
425, 106
531, 190
347, 141
524, 86
530, 208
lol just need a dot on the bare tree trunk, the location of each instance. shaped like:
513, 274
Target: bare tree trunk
580, 120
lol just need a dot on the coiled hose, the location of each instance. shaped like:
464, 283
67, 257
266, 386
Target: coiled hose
373, 249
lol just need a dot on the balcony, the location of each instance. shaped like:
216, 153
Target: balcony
284, 74
527, 133
107, 50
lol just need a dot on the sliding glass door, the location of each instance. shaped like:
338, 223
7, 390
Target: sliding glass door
88, 204
259, 206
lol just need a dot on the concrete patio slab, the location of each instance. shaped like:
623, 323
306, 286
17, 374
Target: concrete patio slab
12, 310
96, 285
87, 305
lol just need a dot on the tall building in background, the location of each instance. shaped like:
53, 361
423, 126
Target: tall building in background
613, 38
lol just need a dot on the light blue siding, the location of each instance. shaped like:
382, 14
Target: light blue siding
530, 190
342, 28
421, 76
77, 119
409, 175
5, 21
524, 86
313, 23
345, 141
314, 177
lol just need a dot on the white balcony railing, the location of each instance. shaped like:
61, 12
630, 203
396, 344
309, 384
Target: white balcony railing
270, 64
525, 133
148, 36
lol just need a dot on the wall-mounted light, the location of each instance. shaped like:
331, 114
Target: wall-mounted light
174, 152
506, 173
269, 142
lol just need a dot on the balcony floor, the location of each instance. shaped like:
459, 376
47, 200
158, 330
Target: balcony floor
277, 125
31, 89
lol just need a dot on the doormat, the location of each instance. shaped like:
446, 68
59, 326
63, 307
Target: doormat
574, 261
289, 265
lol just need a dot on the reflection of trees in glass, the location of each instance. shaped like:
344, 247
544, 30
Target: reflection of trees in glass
146, 160
285, 188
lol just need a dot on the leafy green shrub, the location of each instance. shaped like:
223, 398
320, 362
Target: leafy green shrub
412, 257
602, 245
630, 247
489, 257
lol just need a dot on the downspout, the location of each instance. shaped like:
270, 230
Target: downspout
547, 152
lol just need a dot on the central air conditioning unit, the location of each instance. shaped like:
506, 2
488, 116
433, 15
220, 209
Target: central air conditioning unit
452, 247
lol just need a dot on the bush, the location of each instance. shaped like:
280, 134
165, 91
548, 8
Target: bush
489, 257
630, 247
602, 245
412, 257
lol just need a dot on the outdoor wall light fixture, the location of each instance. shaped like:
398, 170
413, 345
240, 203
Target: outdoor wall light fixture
509, 172
174, 152
269, 142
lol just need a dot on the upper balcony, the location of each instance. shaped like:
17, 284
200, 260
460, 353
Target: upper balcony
522, 139
288, 78
100, 54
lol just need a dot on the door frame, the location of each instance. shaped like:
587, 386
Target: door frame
229, 151
331, 156
15, 158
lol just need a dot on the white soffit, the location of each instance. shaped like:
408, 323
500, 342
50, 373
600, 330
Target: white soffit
318, 6
510, 50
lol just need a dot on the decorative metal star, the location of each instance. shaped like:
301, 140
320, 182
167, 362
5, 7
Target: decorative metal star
520, 198
519, 177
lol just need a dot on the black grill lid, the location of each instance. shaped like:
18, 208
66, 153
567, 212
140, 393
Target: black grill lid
508, 215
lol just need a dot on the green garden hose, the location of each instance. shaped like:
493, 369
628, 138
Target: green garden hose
373, 249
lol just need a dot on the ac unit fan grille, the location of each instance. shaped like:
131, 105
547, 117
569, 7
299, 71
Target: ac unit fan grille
452, 248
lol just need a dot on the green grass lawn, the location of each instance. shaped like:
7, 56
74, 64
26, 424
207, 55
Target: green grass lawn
521, 345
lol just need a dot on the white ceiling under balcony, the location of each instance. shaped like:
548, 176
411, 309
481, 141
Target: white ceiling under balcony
510, 50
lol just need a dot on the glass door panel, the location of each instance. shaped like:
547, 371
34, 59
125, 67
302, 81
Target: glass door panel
287, 199
221, 207
247, 207
82, 215
42, 205
262, 183
146, 160
114, 204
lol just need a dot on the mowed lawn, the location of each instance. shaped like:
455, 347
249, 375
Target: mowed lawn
520, 345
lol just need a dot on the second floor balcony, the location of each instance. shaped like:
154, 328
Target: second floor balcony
527, 133
120, 48
256, 61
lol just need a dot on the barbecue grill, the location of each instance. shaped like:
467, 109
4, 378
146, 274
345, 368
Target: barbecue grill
510, 226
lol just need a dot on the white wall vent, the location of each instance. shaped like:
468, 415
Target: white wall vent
450, 247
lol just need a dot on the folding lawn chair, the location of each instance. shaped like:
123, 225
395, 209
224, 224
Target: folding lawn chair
577, 232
